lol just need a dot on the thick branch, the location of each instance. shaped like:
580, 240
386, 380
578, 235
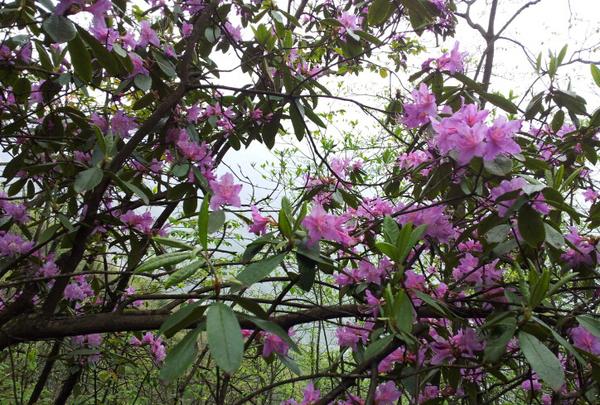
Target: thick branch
33, 327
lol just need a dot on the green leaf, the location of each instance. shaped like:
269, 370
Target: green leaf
542, 360
376, 347
308, 271
571, 101
590, 323
168, 259
184, 317
184, 273
403, 312
274, 329
391, 231
224, 337
500, 101
498, 338
203, 222
297, 120
553, 237
59, 28
539, 290
216, 219
500, 166
259, 270
180, 357
87, 179
595, 74
80, 58
103, 55
143, 82
378, 12
557, 120
176, 243
531, 225
388, 249
497, 234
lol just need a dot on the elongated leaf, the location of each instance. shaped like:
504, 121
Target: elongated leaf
590, 323
184, 273
542, 360
274, 329
379, 11
184, 317
259, 270
59, 28
403, 312
80, 58
595, 74
224, 336
168, 259
180, 357
500, 101
531, 225
203, 222
87, 179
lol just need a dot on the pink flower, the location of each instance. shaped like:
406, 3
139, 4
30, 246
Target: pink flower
311, 394
387, 393
138, 65
143, 223
590, 195
147, 35
349, 22
274, 344
121, 124
452, 62
225, 192
584, 340
259, 223
499, 138
235, 33
351, 335
424, 107
99, 9
186, 29
321, 225
531, 384
134, 341
13, 245
469, 142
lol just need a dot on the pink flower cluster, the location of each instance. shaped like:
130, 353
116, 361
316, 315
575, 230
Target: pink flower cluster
516, 184
463, 344
78, 290
352, 335
311, 395
321, 225
585, 253
18, 212
142, 223
465, 135
13, 245
438, 224
157, 347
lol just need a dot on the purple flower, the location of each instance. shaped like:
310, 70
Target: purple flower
225, 192
387, 393
147, 35
424, 107
452, 62
121, 124
138, 65
321, 225
259, 223
13, 245
584, 340
235, 33
499, 138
